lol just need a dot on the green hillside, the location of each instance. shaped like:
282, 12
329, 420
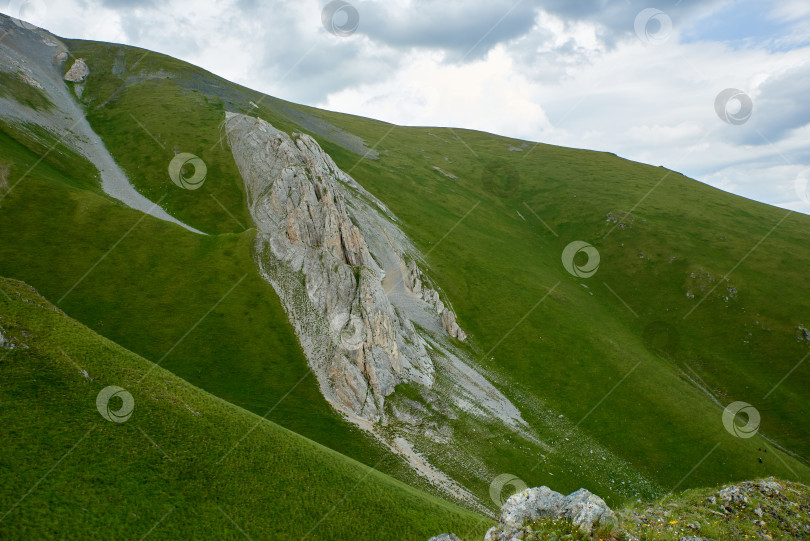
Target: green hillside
146, 284
185, 465
618, 354
681, 238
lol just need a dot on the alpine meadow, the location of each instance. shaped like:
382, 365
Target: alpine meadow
225, 315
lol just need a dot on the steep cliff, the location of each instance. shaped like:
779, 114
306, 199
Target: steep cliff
367, 316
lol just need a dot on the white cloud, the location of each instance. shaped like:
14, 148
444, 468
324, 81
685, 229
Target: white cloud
574, 75
488, 94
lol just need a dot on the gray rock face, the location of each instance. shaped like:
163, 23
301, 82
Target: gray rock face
417, 283
582, 508
523, 508
316, 223
733, 495
450, 325
737, 495
445, 537
585, 509
769, 486
365, 313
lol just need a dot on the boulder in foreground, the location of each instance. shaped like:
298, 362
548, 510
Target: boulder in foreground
583, 508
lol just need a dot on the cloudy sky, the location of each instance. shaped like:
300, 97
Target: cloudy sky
645, 79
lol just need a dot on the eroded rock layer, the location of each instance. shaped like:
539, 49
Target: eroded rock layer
338, 261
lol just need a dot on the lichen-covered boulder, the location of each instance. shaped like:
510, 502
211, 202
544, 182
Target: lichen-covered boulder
582, 508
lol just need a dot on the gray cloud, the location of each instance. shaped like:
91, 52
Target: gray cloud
293, 62
474, 27
781, 106
464, 29
311, 75
617, 18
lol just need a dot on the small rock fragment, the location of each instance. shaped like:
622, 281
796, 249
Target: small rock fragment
78, 72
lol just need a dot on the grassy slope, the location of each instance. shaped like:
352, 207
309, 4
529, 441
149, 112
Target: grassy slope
104, 479
783, 514
570, 350
151, 293
574, 347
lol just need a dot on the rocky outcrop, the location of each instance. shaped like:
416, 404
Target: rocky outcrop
762, 509
417, 283
9, 342
732, 495
327, 246
450, 325
445, 537
366, 315
582, 508
78, 72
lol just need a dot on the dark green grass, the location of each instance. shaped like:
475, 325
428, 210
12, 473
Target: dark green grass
195, 304
174, 469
